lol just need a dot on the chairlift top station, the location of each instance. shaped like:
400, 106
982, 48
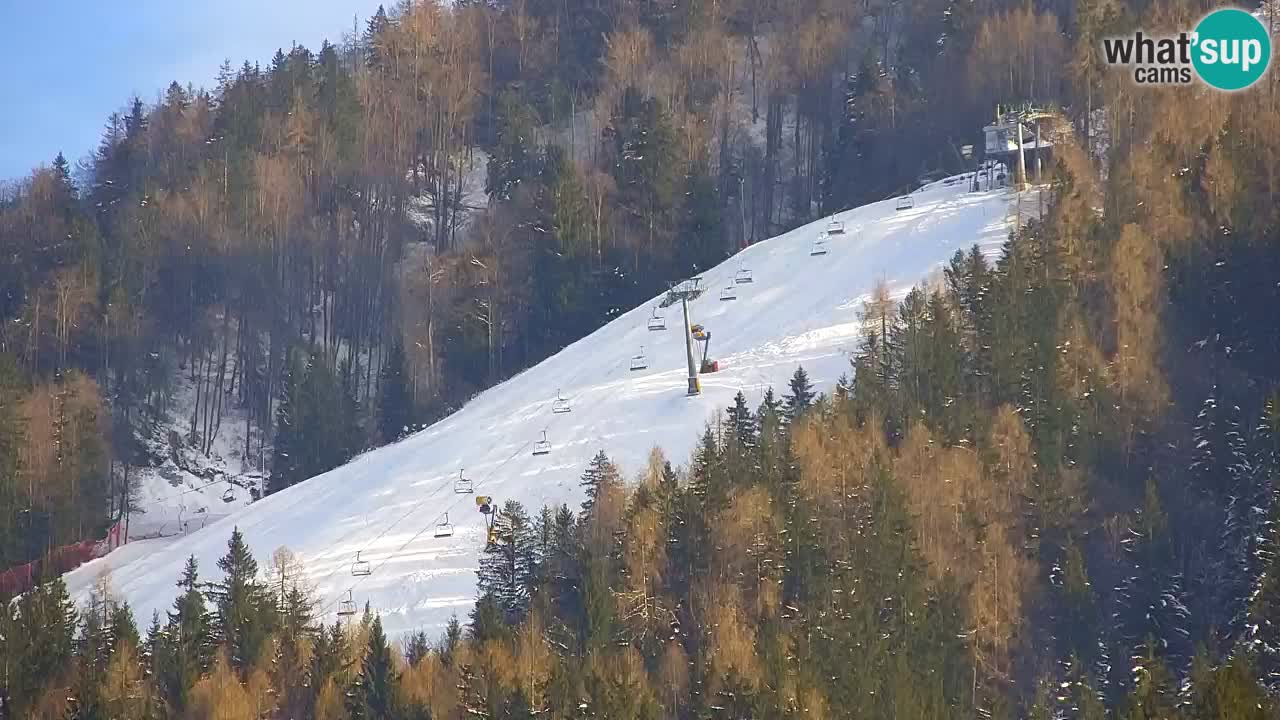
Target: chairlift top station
1017, 139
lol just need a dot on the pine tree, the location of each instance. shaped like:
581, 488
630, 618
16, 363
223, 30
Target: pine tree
487, 620
395, 401
93, 649
471, 698
1230, 690
154, 660
511, 161
328, 657
801, 396
1222, 465
374, 695
742, 423
507, 565
124, 630
1156, 695
245, 615
323, 425
349, 382
1153, 598
373, 39
188, 645
287, 455
1264, 606
644, 165
700, 234
451, 641
417, 648
601, 473
38, 644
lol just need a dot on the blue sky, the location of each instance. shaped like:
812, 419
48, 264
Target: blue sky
69, 63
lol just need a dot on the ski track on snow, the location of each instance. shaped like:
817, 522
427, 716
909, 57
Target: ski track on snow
799, 309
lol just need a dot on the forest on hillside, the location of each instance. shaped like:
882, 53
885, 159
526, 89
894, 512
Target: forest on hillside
1046, 487
298, 242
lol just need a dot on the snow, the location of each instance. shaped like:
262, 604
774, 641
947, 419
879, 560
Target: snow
184, 493
386, 503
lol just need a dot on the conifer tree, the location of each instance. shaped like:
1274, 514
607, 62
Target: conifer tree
1156, 694
600, 473
373, 696
39, 644
417, 648
700, 233
801, 395
395, 402
245, 615
512, 158
451, 641
1223, 467
188, 645
287, 462
507, 565
348, 384
328, 658
487, 620
373, 39
742, 423
124, 630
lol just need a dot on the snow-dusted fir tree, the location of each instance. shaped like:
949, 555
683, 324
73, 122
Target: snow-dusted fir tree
1223, 468
508, 565
1263, 627
1152, 599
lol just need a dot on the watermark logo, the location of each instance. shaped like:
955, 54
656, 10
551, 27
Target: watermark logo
1228, 50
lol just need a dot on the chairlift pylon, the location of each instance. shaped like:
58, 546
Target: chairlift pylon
463, 485
347, 608
542, 447
639, 362
361, 568
443, 528
561, 404
743, 277
729, 293
657, 321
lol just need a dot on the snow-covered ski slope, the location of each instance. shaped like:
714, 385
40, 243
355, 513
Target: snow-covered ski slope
799, 309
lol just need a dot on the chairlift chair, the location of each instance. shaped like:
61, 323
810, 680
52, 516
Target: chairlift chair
347, 608
463, 485
819, 247
542, 447
835, 227
229, 496
657, 321
743, 277
905, 203
639, 362
561, 405
361, 568
729, 293
443, 528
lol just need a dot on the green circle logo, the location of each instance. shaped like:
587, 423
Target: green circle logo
1231, 49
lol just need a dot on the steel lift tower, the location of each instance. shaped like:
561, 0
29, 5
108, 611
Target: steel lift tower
684, 292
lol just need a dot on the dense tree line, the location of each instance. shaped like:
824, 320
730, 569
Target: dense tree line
804, 565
